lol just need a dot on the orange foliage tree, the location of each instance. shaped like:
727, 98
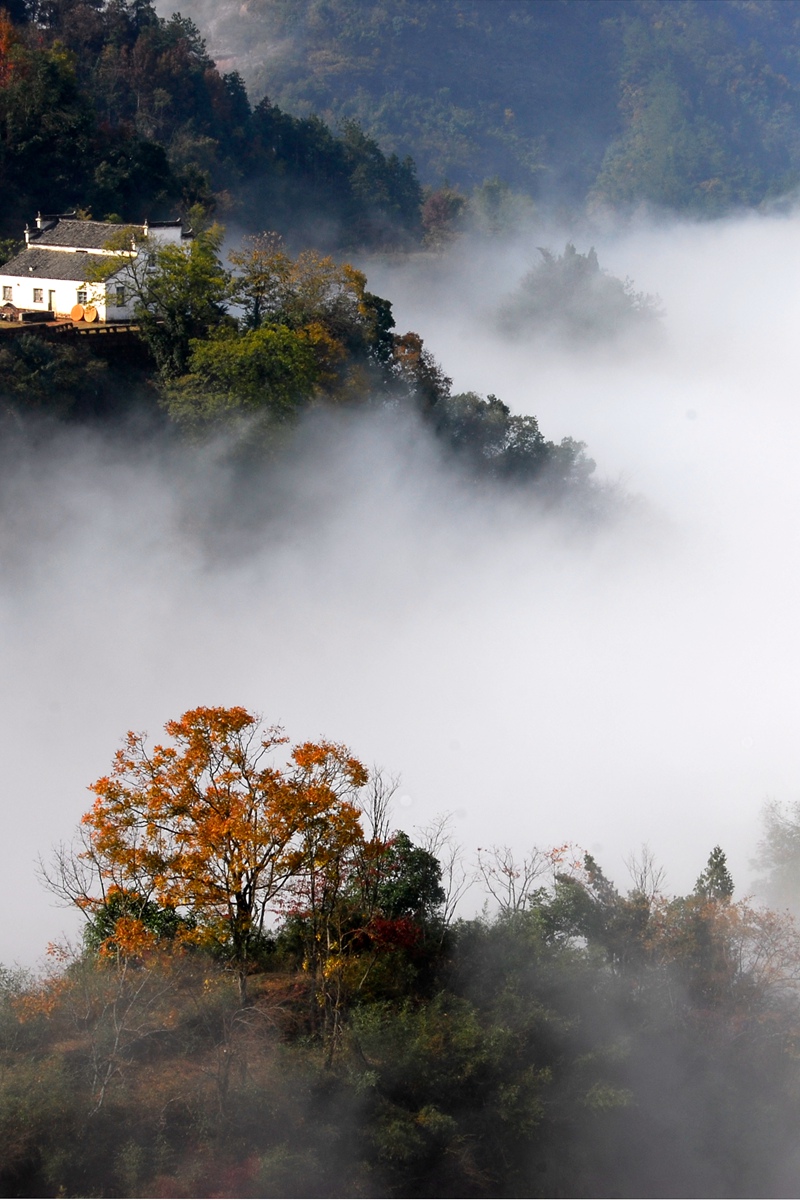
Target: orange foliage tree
208, 826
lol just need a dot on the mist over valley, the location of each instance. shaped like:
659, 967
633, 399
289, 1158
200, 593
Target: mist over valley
622, 683
398, 599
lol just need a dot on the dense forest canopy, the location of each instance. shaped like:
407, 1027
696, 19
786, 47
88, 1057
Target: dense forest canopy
330, 110
682, 105
111, 109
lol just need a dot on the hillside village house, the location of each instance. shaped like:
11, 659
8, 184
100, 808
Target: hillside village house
57, 271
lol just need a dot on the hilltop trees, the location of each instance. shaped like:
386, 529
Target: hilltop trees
206, 841
540, 1050
571, 296
249, 348
110, 107
207, 827
300, 328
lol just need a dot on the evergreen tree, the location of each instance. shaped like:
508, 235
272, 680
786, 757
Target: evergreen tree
715, 882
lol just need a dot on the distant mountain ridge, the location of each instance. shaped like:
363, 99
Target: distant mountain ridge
676, 104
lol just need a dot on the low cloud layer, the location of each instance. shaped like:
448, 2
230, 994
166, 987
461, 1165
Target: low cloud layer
638, 683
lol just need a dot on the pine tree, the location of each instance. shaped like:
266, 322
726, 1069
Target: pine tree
716, 881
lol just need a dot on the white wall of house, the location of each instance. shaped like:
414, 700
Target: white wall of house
166, 234
113, 299
61, 295
55, 295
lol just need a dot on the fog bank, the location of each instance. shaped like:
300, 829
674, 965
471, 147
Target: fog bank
636, 683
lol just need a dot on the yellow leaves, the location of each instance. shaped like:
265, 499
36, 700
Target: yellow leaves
330, 761
41, 997
209, 826
130, 939
207, 726
39, 1001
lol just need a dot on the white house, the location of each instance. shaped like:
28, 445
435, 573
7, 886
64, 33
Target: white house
57, 270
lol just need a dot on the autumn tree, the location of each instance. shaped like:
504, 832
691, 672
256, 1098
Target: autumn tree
312, 292
442, 212
210, 829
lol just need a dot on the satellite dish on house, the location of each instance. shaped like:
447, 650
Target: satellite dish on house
90, 313
76, 312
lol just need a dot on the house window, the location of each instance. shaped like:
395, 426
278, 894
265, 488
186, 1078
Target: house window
82, 295
120, 297
38, 296
8, 292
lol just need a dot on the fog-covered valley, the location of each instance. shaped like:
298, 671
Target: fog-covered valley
543, 681
431, 395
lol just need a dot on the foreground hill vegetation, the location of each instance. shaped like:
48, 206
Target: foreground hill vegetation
274, 997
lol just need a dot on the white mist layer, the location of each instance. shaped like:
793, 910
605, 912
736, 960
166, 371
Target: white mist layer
636, 685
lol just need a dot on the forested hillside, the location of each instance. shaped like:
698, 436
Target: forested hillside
112, 110
677, 105
307, 335
273, 998
689, 106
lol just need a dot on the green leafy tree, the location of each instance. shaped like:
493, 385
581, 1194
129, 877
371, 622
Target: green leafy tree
715, 882
121, 906
586, 904
37, 375
411, 883
270, 372
180, 295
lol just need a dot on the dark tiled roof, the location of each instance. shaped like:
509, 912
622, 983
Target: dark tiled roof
35, 263
89, 235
